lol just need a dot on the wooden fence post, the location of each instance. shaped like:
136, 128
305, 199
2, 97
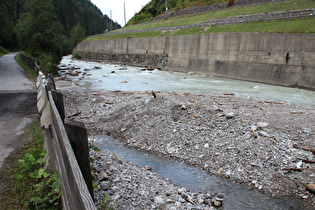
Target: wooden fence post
77, 134
58, 98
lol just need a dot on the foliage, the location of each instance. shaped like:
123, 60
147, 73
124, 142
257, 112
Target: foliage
284, 26
29, 71
230, 2
49, 29
77, 35
6, 23
228, 12
32, 186
157, 7
3, 51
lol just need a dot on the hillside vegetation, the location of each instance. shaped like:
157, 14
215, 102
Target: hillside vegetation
157, 7
48, 29
298, 25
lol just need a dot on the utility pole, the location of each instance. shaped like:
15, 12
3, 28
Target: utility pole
111, 20
125, 13
166, 5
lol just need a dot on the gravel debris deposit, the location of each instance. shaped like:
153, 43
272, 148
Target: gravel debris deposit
266, 145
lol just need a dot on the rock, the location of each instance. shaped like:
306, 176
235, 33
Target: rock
102, 176
181, 190
229, 115
159, 200
262, 125
311, 187
105, 185
123, 68
264, 133
149, 168
150, 68
206, 146
217, 203
113, 72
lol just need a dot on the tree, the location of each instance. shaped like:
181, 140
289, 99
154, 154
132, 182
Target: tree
37, 29
6, 23
77, 35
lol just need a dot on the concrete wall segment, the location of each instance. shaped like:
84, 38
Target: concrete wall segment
282, 59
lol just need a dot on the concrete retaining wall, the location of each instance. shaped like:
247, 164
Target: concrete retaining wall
280, 59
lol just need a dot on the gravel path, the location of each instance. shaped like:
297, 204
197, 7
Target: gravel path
248, 140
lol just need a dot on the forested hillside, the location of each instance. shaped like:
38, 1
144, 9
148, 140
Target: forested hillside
157, 7
48, 29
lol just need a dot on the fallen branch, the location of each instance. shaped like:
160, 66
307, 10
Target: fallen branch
268, 158
289, 170
306, 160
309, 149
75, 114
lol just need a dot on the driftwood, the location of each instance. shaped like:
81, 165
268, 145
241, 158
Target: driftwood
75, 114
308, 149
304, 148
289, 170
306, 161
154, 95
268, 158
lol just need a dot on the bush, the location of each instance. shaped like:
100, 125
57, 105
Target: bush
230, 3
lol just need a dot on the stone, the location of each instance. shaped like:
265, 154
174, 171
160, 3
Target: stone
262, 125
102, 176
159, 200
217, 203
105, 185
311, 187
149, 168
229, 115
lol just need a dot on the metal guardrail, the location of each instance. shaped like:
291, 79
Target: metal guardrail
76, 193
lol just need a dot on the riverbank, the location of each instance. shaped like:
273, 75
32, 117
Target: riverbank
251, 141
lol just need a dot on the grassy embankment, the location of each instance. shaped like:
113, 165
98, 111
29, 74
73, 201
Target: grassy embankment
29, 71
3, 51
284, 26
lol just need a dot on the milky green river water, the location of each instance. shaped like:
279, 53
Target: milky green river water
134, 79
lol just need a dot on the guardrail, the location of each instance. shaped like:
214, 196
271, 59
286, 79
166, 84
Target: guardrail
67, 147
271, 16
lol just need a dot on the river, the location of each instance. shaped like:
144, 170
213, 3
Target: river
112, 77
97, 76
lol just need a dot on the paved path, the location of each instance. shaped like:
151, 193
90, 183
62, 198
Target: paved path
17, 105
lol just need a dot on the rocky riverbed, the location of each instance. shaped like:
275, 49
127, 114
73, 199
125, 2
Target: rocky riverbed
260, 143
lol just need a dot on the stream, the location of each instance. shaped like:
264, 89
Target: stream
98, 76
236, 196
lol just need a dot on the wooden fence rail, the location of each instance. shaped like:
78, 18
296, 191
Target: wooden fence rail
76, 186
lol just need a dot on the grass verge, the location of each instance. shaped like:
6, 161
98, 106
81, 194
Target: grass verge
284, 26
24, 184
29, 71
229, 12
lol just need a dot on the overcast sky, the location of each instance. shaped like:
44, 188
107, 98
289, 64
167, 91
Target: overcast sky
117, 8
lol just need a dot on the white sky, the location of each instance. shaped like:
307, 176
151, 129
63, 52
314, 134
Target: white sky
117, 8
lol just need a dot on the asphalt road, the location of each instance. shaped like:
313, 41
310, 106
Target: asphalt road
17, 105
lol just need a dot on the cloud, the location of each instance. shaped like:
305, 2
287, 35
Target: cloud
117, 8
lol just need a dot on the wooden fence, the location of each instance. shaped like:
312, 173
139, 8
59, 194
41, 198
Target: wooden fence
67, 151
